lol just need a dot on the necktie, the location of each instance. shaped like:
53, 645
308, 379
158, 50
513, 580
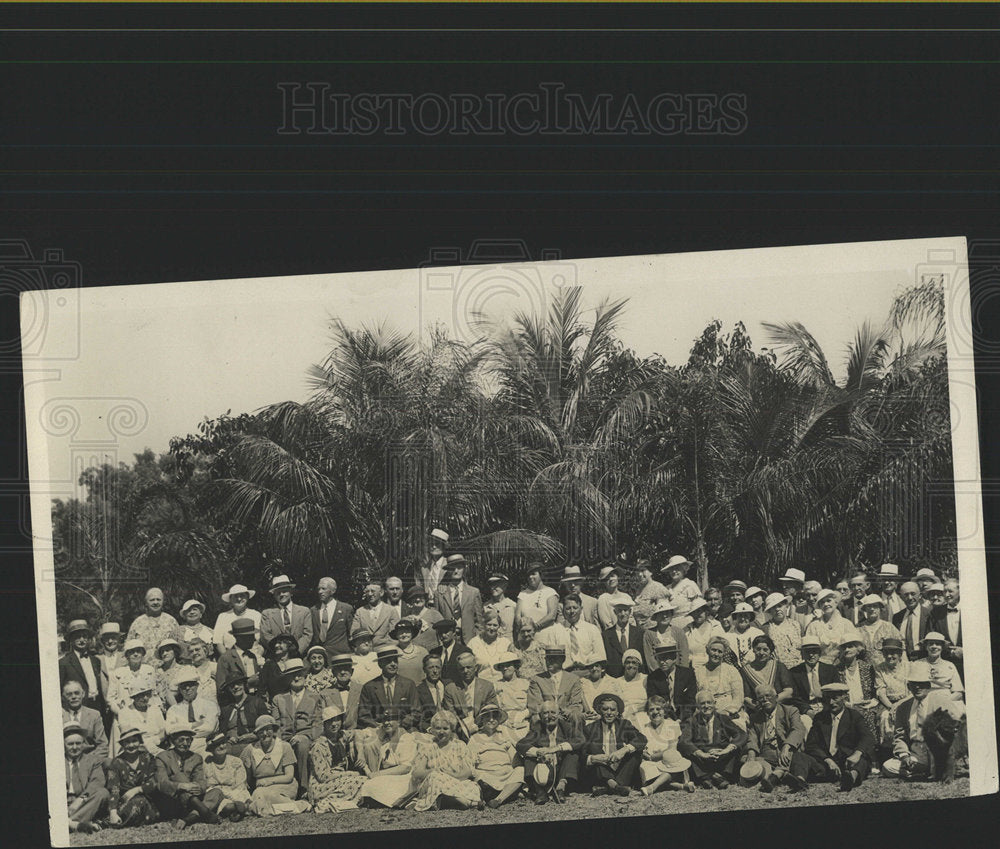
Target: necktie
814, 690
670, 687
75, 784
574, 643
287, 619
190, 711
912, 632
438, 694
623, 639
242, 724
833, 736
612, 747
324, 623
389, 691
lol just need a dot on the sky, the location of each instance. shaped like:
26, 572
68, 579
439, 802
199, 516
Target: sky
110, 371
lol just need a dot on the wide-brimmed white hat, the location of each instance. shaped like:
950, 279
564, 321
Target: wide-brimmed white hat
752, 591
743, 607
238, 589
793, 575
773, 600
192, 602
871, 598
674, 761
677, 561
664, 605
825, 593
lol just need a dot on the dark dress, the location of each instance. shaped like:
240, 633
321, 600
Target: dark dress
866, 674
122, 777
272, 680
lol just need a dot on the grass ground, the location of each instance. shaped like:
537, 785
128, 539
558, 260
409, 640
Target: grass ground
577, 807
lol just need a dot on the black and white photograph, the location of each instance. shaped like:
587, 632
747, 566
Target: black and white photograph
496, 541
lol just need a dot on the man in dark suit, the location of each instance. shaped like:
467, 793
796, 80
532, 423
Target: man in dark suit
457, 599
840, 746
619, 638
914, 621
809, 677
331, 620
676, 684
612, 748
78, 664
388, 690
286, 617
449, 648
713, 744
850, 607
430, 692
238, 718
550, 754
467, 696
947, 620
239, 661
776, 734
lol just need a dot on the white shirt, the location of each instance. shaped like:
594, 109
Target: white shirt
605, 607
222, 634
953, 620
88, 672
582, 642
534, 603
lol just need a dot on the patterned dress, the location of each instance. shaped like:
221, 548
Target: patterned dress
860, 678
443, 762
726, 684
740, 644
532, 660
334, 784
230, 777
872, 636
123, 776
151, 630
787, 638
893, 681
320, 682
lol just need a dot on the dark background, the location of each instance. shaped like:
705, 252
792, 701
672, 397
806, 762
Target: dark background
144, 147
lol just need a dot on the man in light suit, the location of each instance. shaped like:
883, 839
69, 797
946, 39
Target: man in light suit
88, 719
428, 576
840, 746
390, 689
78, 664
299, 714
287, 617
375, 615
466, 696
776, 734
459, 601
557, 685
914, 621
430, 692
712, 742
200, 714
86, 794
331, 620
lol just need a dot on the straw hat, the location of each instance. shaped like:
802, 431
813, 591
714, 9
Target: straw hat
773, 600
281, 582
674, 761
238, 589
678, 561
571, 573
753, 772
793, 575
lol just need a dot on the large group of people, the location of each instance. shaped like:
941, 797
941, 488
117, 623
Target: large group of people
434, 693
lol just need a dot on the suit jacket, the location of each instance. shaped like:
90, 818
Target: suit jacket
847, 609
337, 629
788, 727
569, 697
625, 733
685, 689
694, 735
457, 700
649, 644
349, 704
229, 717
852, 735
924, 626
538, 736
451, 671
71, 669
171, 770
614, 650
302, 625
426, 706
374, 699
93, 728
307, 719
939, 622
468, 613
91, 769
800, 683
422, 577
229, 666
378, 620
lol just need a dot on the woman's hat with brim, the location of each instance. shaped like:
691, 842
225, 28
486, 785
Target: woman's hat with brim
76, 626
601, 698
752, 591
265, 720
238, 589
753, 772
287, 639
416, 592
934, 637
773, 600
664, 605
607, 572
129, 733
498, 579
334, 711
140, 687
405, 624
696, 605
192, 602
871, 598
216, 740
489, 710
167, 642
678, 561
506, 659
134, 645
743, 608
674, 761
825, 594
235, 679
631, 654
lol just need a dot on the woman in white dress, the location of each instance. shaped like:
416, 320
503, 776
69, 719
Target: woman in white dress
489, 647
662, 765
494, 757
633, 687
123, 681
699, 631
386, 759
512, 693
